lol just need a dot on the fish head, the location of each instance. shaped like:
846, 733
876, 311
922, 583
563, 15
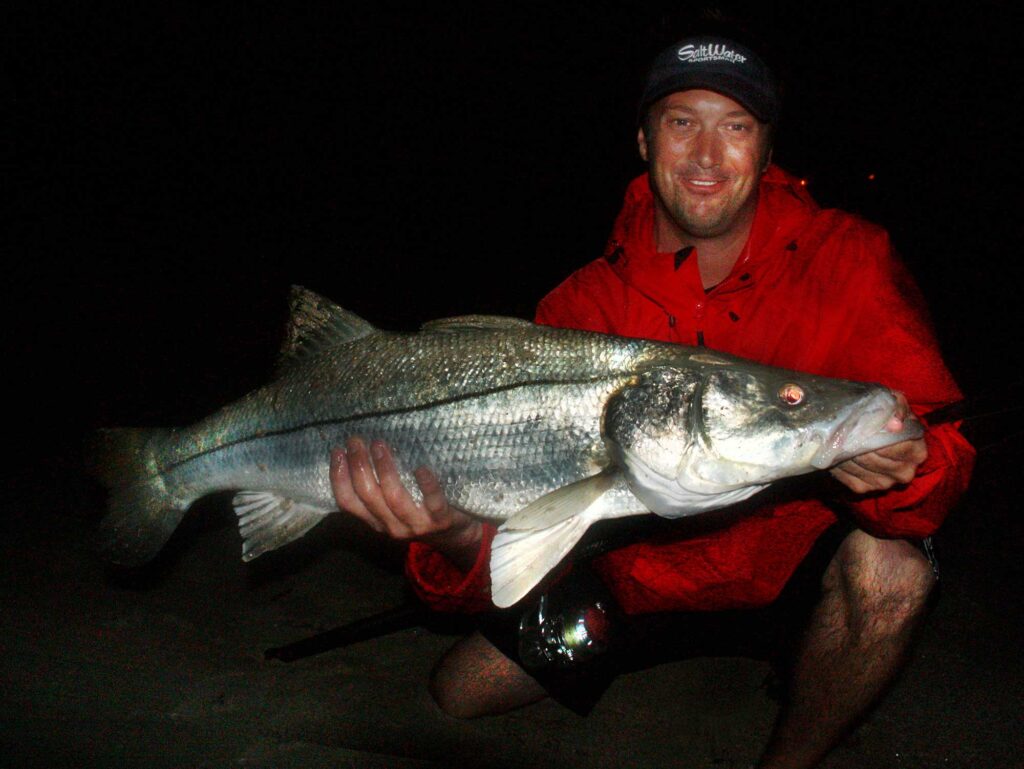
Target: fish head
700, 437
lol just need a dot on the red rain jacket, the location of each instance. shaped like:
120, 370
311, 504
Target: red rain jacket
814, 290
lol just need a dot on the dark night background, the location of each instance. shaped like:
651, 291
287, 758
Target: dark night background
176, 168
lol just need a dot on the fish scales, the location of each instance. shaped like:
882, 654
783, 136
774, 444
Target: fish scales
394, 373
543, 430
492, 452
404, 371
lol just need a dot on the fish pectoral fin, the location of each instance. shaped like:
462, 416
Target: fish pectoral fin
521, 559
560, 504
267, 520
533, 541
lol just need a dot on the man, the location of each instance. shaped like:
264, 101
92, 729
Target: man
716, 246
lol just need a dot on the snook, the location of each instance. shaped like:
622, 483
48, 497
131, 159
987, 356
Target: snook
545, 430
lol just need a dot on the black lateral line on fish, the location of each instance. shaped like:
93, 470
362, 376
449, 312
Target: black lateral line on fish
391, 412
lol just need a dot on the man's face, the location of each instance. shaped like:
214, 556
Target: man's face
706, 156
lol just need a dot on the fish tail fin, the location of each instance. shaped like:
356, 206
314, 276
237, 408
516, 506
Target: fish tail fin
141, 512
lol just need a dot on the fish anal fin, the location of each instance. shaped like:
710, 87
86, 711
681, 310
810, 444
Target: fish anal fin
268, 521
316, 323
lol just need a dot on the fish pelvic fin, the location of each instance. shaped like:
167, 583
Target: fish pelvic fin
267, 521
141, 512
315, 324
531, 543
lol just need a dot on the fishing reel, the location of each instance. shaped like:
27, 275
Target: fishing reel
565, 631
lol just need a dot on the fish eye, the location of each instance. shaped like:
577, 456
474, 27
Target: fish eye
791, 394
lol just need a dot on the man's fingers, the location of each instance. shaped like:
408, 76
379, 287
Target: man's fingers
344, 493
914, 451
368, 488
861, 480
875, 463
434, 499
341, 484
850, 480
366, 482
397, 498
876, 472
898, 462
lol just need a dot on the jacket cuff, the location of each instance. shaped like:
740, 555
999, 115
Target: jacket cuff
443, 586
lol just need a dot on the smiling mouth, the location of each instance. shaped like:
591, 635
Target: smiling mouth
704, 184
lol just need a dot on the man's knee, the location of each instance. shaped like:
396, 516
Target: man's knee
447, 693
475, 679
886, 582
451, 681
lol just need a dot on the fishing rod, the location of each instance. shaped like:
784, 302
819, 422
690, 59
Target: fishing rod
402, 617
978, 414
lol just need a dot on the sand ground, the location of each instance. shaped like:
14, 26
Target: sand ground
166, 669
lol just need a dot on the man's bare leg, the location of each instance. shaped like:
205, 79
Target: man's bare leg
874, 596
475, 679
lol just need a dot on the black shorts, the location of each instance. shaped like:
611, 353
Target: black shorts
642, 641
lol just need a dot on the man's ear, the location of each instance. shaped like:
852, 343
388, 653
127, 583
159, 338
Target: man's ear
641, 143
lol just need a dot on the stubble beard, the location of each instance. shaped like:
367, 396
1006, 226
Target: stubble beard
702, 224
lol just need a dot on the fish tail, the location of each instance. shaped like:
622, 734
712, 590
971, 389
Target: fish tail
141, 512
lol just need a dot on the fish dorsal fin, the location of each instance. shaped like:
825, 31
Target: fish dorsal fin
476, 322
316, 323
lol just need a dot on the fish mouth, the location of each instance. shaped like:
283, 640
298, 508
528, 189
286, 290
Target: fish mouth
863, 430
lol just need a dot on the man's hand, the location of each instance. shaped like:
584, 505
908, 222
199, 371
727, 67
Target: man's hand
367, 485
882, 469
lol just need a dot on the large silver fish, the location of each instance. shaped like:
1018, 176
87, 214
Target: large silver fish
546, 430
